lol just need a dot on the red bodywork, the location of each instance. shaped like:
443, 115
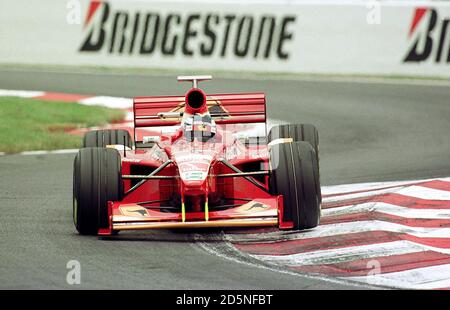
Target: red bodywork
223, 182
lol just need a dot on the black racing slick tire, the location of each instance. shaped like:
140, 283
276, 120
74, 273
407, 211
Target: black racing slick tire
97, 179
294, 174
102, 138
298, 132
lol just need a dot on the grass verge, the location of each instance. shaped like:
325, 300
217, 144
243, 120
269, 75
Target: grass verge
30, 124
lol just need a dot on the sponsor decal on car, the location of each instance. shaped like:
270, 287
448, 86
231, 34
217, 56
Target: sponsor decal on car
133, 211
193, 175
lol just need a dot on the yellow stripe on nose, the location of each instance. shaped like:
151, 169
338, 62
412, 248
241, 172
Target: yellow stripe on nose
183, 212
206, 211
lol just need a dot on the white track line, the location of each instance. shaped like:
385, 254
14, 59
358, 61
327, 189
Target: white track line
425, 193
361, 194
65, 151
20, 93
34, 153
344, 254
345, 228
412, 191
388, 209
349, 188
433, 277
110, 102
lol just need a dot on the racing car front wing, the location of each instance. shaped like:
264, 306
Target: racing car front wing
255, 213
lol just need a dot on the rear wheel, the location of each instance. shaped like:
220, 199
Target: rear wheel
294, 174
97, 179
299, 132
102, 138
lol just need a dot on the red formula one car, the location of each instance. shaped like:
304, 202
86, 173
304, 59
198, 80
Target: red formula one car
197, 161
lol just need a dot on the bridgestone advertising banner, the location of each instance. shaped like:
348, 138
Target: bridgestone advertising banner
357, 37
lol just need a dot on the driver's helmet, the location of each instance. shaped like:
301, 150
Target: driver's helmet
199, 127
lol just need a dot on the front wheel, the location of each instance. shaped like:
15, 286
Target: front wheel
97, 179
295, 175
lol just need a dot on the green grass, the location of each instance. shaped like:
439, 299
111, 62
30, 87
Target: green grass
29, 124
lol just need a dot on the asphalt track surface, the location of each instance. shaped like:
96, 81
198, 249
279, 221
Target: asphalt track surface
368, 132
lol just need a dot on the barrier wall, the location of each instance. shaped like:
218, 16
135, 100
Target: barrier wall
356, 37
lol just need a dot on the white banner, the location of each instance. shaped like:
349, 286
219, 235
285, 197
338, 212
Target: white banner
354, 37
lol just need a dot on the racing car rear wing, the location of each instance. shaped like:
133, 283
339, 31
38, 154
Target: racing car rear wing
224, 108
